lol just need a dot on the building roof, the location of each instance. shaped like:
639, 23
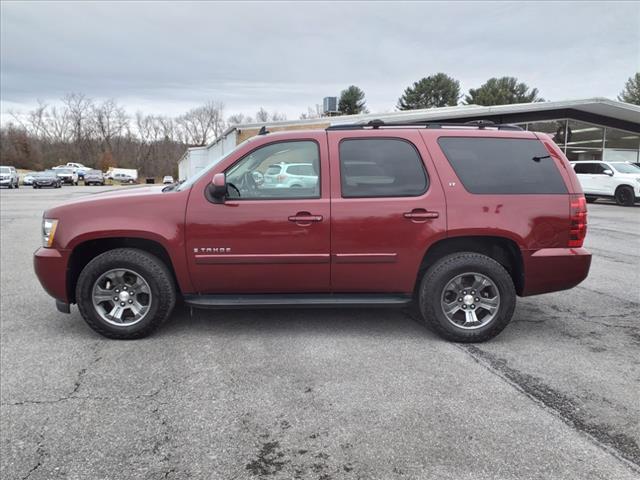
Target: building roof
595, 106
602, 111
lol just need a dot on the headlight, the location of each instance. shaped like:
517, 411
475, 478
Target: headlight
48, 231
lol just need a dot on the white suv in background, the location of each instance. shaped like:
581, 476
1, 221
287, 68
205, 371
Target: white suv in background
617, 180
9, 177
290, 175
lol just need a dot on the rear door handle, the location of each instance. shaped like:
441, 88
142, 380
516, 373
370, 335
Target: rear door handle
305, 217
420, 214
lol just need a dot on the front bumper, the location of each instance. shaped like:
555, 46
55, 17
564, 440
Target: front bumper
5, 181
50, 266
552, 269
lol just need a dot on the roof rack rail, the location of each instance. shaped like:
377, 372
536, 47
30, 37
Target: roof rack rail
376, 124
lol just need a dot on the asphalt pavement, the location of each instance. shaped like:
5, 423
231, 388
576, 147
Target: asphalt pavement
322, 394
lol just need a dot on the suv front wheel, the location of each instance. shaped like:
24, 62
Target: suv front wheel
125, 293
467, 297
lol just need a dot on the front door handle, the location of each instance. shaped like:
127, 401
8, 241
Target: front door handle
420, 214
305, 218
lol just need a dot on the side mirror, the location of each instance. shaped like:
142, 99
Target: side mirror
608, 172
217, 189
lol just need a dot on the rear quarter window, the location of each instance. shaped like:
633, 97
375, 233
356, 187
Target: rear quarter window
503, 165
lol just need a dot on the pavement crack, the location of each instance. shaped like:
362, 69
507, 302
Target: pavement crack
66, 398
41, 453
83, 371
620, 445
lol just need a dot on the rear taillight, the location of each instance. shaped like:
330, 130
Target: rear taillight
578, 221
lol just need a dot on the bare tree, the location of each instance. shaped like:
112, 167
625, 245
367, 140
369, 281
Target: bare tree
203, 124
239, 118
262, 115
312, 112
109, 121
79, 110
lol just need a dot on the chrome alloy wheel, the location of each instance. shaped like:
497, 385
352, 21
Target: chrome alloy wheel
470, 300
121, 297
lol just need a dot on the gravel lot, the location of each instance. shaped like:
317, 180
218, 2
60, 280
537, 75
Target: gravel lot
327, 394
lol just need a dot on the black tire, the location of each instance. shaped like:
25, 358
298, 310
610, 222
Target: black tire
624, 196
17, 185
438, 276
590, 198
148, 266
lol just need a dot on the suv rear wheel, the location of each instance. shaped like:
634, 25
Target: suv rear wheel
624, 196
125, 293
467, 297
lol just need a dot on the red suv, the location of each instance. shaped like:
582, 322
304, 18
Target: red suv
454, 220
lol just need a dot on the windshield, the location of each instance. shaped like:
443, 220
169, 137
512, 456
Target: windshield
190, 181
626, 168
5, 170
64, 170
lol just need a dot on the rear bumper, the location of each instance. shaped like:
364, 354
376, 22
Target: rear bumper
553, 269
50, 266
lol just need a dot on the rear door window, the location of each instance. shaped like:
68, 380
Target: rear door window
503, 165
583, 168
381, 167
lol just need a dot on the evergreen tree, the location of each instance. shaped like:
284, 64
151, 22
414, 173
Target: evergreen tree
502, 91
352, 101
439, 90
631, 92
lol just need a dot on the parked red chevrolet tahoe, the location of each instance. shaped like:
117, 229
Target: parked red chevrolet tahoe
453, 220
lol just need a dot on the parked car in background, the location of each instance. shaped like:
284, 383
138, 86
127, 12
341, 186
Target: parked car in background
617, 180
167, 179
67, 175
28, 178
48, 178
454, 234
132, 172
94, 177
123, 178
9, 177
79, 168
290, 175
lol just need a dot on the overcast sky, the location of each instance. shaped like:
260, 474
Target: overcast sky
166, 57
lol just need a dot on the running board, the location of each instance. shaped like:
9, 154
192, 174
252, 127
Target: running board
318, 300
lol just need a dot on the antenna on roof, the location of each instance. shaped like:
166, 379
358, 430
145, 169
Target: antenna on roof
263, 130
